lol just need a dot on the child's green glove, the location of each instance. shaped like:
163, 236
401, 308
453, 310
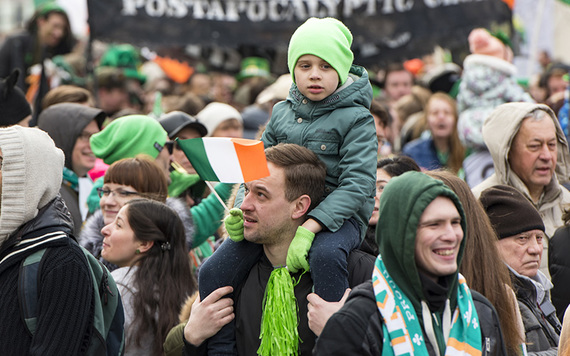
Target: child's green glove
234, 224
297, 255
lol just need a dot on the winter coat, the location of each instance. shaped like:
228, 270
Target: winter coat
65, 313
92, 239
340, 130
423, 151
559, 267
486, 83
360, 315
499, 132
250, 298
542, 327
64, 123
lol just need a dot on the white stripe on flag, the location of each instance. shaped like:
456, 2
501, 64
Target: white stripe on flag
223, 159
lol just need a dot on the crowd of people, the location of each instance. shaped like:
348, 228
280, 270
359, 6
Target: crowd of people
407, 210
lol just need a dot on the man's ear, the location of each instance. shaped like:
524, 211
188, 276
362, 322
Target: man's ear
302, 205
145, 246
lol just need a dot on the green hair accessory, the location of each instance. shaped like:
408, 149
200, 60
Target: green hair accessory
279, 332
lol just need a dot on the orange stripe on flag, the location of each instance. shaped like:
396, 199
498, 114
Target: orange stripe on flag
251, 157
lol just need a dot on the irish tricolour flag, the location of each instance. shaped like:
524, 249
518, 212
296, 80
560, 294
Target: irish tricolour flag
227, 160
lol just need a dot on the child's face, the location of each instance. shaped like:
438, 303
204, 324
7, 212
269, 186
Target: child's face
315, 78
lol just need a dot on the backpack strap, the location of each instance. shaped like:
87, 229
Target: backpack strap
28, 289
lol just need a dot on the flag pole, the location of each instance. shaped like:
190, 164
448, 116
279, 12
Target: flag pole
217, 196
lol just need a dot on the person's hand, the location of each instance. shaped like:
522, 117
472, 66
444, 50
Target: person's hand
320, 311
209, 316
234, 224
297, 255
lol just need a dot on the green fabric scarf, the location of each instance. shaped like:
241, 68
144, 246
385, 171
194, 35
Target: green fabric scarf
402, 330
70, 178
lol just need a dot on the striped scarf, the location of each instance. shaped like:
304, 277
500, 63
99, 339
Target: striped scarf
403, 333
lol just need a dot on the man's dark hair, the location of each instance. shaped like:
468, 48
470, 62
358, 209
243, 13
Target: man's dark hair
398, 165
305, 173
381, 110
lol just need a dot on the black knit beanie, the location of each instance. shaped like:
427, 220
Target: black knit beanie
13, 104
509, 211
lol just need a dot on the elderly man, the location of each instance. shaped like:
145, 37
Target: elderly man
415, 286
521, 235
530, 153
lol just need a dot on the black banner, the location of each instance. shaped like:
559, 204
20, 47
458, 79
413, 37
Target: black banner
383, 29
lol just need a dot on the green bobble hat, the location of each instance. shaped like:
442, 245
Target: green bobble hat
326, 38
127, 137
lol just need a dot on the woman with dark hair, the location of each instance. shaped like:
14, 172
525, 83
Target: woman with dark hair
146, 240
442, 149
125, 180
485, 271
47, 34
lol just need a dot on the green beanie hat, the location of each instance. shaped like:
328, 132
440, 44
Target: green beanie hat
127, 137
328, 39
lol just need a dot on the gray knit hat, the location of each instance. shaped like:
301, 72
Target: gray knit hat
32, 170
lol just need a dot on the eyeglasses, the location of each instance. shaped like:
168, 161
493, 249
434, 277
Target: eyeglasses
118, 193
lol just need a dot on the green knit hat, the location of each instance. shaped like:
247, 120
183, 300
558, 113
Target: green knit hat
326, 38
127, 137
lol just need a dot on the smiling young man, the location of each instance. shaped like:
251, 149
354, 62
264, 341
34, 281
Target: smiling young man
530, 153
521, 236
417, 302
70, 126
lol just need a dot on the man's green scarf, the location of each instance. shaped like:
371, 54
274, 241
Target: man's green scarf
403, 333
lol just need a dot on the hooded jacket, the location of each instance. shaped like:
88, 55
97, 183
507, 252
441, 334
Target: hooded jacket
34, 217
340, 130
64, 123
403, 202
499, 131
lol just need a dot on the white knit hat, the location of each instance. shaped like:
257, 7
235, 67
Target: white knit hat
32, 170
213, 114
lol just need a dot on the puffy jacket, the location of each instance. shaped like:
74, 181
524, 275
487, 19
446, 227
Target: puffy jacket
486, 83
340, 130
542, 327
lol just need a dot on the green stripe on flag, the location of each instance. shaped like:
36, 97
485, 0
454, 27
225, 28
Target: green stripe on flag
196, 153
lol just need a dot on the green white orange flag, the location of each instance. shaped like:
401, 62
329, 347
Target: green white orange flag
227, 160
